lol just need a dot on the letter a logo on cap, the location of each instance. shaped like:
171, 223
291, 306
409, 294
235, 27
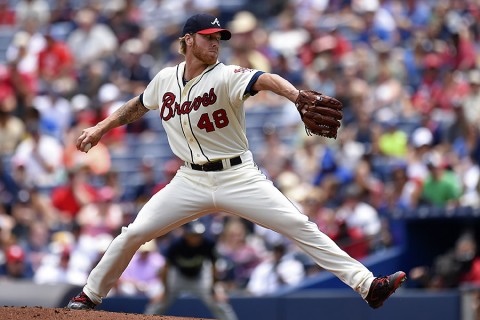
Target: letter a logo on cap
205, 24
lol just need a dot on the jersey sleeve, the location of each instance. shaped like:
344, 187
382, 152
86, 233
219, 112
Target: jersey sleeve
150, 95
252, 81
240, 80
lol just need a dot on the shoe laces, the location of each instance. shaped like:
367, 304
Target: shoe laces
382, 286
82, 297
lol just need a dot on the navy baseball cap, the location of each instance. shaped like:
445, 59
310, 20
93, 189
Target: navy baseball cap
204, 23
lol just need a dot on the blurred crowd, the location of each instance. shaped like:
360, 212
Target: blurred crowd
407, 72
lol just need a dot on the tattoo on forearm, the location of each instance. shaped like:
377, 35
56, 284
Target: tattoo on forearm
130, 111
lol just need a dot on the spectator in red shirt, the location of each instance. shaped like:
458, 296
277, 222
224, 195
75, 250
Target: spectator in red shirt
72, 196
56, 66
7, 15
464, 42
431, 85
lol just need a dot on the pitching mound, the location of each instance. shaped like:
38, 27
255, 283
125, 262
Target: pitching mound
37, 313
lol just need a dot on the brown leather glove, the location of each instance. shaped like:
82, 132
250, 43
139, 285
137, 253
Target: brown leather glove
320, 113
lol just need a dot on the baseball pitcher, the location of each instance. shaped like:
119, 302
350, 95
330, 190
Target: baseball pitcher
200, 103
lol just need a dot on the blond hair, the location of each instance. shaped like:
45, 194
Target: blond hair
183, 45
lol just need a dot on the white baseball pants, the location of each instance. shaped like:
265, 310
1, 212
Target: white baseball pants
241, 190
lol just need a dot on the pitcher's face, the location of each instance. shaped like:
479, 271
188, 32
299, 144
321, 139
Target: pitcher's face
206, 47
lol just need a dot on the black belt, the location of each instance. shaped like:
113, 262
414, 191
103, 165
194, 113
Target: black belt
215, 166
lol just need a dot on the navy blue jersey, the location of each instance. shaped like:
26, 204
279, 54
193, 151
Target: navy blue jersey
189, 260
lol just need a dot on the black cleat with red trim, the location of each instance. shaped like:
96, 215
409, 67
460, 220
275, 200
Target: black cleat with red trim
383, 287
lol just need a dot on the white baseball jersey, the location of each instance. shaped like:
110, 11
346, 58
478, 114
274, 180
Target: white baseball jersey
204, 119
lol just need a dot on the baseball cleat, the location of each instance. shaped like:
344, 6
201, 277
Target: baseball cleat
81, 302
384, 287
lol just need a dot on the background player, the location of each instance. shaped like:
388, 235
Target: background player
190, 268
200, 103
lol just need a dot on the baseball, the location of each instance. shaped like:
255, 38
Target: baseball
87, 147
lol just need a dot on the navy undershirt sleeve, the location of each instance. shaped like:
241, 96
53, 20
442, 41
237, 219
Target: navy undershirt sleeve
141, 99
249, 89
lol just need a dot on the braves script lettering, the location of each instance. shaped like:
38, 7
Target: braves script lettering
170, 108
242, 70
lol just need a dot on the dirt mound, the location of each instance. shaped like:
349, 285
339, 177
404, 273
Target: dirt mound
40, 313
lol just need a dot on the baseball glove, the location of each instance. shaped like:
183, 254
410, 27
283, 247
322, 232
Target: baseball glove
320, 113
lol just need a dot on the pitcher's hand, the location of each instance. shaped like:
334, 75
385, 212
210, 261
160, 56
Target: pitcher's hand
89, 138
